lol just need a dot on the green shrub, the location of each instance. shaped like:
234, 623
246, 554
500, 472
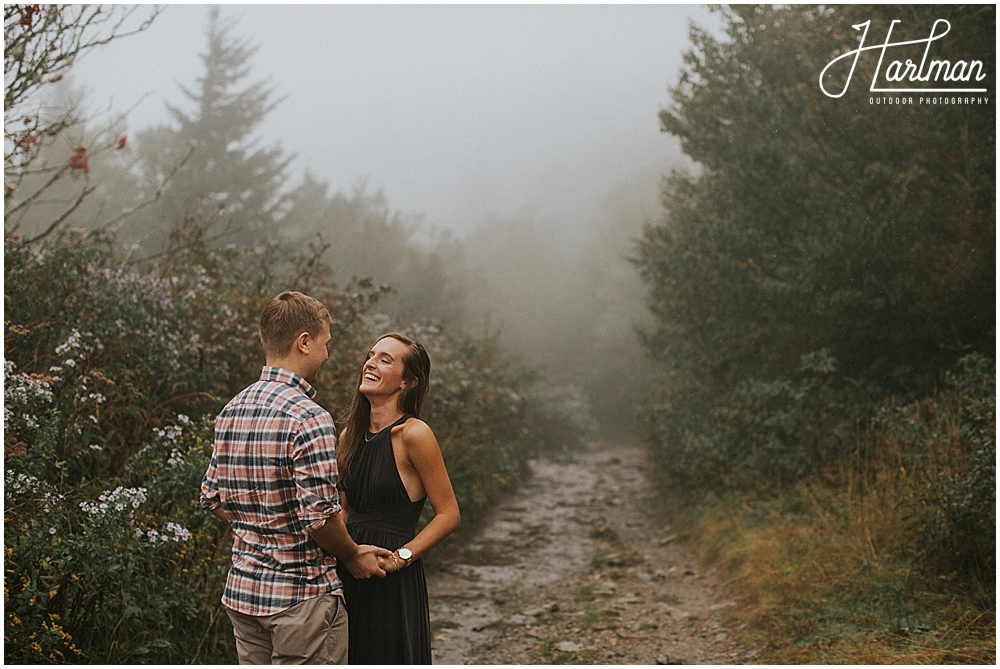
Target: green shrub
762, 437
123, 576
114, 371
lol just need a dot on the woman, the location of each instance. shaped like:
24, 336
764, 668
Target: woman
390, 463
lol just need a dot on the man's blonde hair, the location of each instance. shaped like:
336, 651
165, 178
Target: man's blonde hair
287, 316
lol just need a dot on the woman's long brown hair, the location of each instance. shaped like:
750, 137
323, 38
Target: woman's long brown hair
355, 421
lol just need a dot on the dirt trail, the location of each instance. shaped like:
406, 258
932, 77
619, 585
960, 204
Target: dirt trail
577, 569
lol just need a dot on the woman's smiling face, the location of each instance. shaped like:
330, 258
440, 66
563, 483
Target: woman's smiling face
382, 374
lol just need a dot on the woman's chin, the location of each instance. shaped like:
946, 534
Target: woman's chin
374, 393
369, 390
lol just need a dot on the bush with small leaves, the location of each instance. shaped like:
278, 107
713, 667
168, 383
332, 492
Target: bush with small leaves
114, 371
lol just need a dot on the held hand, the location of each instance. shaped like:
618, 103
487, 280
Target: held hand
367, 562
390, 564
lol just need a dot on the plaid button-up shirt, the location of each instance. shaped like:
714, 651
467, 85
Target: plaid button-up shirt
274, 472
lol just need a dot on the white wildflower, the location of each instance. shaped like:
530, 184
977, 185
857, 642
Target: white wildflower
179, 533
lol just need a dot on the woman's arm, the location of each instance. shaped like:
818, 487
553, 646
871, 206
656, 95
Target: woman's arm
424, 455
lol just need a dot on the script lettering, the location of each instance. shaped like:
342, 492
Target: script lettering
909, 71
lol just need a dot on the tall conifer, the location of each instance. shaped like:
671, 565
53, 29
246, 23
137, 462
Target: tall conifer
226, 182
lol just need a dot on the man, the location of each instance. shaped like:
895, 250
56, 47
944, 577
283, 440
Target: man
273, 478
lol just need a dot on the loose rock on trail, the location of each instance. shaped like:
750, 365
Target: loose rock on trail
577, 569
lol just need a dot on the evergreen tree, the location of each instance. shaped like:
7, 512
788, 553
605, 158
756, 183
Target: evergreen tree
820, 223
224, 180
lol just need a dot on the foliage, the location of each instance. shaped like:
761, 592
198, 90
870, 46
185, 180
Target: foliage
122, 354
43, 143
889, 557
113, 372
222, 177
761, 437
855, 253
809, 284
368, 239
118, 576
959, 535
820, 223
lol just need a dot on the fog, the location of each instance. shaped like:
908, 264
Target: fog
519, 144
455, 111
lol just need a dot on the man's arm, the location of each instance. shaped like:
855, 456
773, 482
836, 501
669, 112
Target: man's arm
361, 561
314, 465
220, 514
209, 497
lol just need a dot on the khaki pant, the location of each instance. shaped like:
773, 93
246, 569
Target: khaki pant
311, 632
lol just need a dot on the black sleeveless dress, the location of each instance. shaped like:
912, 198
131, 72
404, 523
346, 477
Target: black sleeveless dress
387, 618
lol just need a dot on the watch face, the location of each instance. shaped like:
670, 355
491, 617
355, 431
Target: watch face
405, 553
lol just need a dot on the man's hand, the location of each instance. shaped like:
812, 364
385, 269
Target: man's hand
365, 562
361, 561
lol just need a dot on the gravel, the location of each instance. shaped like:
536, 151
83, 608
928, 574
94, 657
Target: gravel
578, 569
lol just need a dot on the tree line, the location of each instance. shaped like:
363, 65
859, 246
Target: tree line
209, 169
823, 290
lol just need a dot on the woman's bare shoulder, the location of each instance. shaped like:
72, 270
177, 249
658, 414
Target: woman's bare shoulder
416, 430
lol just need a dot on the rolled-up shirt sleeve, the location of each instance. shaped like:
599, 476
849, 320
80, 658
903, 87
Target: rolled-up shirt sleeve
209, 497
314, 467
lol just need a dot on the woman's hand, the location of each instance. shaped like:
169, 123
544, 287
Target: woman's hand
361, 564
390, 563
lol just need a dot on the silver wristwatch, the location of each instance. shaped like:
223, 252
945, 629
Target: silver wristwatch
405, 554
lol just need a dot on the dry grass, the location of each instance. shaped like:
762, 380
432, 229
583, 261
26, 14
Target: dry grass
827, 573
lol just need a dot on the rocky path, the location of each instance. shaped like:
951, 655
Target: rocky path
577, 569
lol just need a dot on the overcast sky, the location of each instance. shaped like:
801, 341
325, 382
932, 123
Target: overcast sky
453, 110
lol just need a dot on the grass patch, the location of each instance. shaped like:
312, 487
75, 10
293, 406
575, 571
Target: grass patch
589, 593
599, 619
438, 625
605, 533
829, 578
548, 652
487, 557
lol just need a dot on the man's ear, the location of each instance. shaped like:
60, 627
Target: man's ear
302, 342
